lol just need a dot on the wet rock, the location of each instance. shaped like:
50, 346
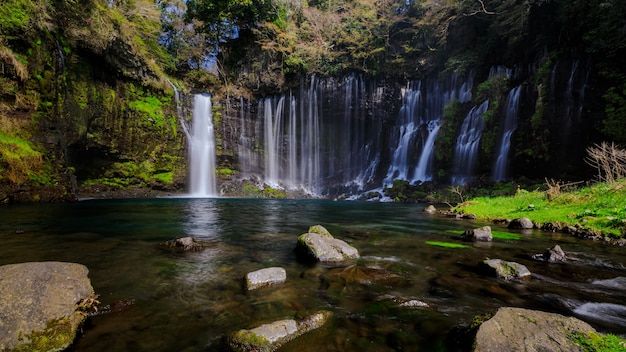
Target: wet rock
520, 223
42, 304
517, 329
356, 274
265, 277
552, 255
430, 209
507, 270
269, 337
183, 244
479, 234
324, 248
469, 216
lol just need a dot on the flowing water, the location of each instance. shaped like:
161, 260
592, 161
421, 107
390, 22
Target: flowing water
162, 301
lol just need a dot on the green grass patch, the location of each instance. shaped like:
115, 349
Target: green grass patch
593, 342
600, 207
446, 244
505, 235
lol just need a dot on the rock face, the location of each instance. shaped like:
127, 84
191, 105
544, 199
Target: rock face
507, 270
479, 234
269, 337
265, 277
521, 223
517, 329
40, 305
324, 248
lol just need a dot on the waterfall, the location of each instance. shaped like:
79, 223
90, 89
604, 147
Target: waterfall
508, 127
467, 143
273, 141
202, 149
423, 104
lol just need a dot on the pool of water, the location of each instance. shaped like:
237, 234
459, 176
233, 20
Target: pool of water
163, 301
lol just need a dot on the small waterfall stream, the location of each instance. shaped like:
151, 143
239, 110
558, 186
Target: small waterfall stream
467, 143
508, 127
202, 149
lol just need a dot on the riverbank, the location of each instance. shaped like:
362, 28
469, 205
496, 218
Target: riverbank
599, 208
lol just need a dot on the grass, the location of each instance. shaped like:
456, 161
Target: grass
600, 207
599, 343
446, 244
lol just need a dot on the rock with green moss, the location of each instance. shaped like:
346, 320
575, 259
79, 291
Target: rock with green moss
269, 337
42, 304
324, 247
518, 329
319, 229
507, 270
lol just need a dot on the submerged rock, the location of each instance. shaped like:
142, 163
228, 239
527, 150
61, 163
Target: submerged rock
42, 304
552, 255
507, 270
324, 248
265, 277
517, 329
269, 337
183, 244
479, 234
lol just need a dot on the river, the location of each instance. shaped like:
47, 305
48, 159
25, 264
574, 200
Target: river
163, 301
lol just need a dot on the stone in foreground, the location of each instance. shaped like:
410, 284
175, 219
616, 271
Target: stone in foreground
265, 277
269, 337
521, 330
507, 270
324, 248
40, 305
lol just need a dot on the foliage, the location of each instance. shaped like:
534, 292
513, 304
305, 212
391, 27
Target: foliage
600, 207
594, 342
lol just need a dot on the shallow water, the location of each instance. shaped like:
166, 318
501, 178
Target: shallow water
163, 301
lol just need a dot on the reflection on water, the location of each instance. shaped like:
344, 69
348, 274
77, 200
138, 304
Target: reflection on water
187, 302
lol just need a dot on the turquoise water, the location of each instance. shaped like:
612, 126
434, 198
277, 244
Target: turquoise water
162, 301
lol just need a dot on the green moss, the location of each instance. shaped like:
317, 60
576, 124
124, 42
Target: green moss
505, 235
249, 340
593, 342
57, 335
446, 244
164, 177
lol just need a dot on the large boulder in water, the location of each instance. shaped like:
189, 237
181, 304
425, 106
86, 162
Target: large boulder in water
521, 223
42, 305
324, 247
506, 270
479, 234
269, 337
521, 330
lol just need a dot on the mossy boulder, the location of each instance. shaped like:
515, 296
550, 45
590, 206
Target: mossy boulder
42, 304
324, 248
506, 270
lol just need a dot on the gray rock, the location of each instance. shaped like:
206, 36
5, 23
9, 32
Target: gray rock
520, 223
265, 277
507, 270
324, 248
522, 330
479, 234
269, 337
552, 255
183, 244
430, 209
42, 304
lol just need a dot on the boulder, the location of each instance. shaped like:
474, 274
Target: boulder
324, 248
479, 234
269, 337
517, 329
507, 270
42, 304
265, 277
520, 223
552, 255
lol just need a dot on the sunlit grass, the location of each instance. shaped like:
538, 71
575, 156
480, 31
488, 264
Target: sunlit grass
600, 207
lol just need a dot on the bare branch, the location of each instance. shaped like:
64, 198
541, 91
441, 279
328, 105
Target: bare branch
482, 10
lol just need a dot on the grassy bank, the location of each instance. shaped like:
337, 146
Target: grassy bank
600, 207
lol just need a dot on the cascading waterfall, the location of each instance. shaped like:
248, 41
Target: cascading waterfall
202, 149
508, 127
467, 143
422, 108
